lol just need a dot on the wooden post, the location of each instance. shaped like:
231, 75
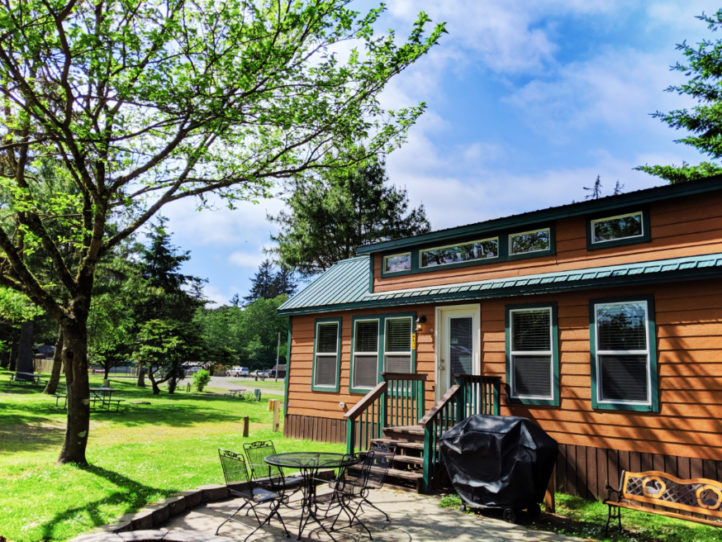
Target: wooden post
549, 500
245, 425
276, 412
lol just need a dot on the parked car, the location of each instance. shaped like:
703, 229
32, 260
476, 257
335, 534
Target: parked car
237, 370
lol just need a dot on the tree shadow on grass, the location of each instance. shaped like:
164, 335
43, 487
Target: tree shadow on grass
131, 495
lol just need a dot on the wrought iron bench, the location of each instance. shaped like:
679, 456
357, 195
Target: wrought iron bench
661, 493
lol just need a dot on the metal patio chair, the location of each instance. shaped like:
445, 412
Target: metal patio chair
240, 484
352, 492
268, 476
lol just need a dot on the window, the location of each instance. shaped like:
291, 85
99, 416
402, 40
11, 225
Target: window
395, 263
365, 354
532, 354
466, 252
623, 355
618, 230
397, 345
326, 355
530, 241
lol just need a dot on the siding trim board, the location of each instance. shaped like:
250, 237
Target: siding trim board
642, 273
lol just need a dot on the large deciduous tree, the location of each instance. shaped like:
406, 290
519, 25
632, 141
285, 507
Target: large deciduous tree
144, 102
327, 221
703, 69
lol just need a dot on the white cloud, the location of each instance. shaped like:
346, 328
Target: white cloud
247, 259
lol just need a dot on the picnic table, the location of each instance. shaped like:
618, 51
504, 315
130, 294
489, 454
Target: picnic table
104, 394
243, 393
29, 378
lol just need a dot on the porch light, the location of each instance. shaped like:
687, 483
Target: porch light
419, 321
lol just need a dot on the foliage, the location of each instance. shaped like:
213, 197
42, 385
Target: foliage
143, 104
244, 336
163, 346
268, 284
595, 191
703, 69
330, 218
16, 307
201, 379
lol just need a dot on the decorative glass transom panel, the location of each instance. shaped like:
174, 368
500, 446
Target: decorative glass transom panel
530, 241
397, 262
465, 252
614, 228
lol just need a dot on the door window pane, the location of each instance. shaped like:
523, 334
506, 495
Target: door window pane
460, 345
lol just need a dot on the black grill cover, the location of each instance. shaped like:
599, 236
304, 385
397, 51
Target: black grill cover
498, 461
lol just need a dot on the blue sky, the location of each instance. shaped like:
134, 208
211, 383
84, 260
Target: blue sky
527, 102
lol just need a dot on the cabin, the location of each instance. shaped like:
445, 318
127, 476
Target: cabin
599, 320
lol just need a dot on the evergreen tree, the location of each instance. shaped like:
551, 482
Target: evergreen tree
332, 216
703, 68
268, 283
163, 317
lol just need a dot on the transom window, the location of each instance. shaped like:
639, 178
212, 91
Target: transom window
395, 263
465, 252
326, 355
622, 342
615, 228
530, 241
532, 354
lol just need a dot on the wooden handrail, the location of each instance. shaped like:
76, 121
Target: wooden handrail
439, 405
363, 404
404, 376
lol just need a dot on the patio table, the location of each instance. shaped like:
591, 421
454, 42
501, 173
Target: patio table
105, 394
308, 464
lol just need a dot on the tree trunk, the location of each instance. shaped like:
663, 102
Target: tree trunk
106, 372
24, 365
156, 389
52, 386
141, 377
172, 382
75, 362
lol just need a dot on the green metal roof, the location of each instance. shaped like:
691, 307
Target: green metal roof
582, 208
346, 285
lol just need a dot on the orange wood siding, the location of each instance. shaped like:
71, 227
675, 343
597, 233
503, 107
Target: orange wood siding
683, 227
302, 400
689, 347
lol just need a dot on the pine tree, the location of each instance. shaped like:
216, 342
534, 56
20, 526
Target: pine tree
332, 216
703, 68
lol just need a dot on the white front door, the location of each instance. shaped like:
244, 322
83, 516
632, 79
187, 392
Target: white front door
458, 344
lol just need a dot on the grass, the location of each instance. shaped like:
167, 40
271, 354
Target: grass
140, 455
269, 383
583, 518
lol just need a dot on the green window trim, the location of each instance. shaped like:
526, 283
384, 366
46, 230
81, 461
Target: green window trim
652, 404
645, 237
317, 324
503, 242
381, 351
554, 398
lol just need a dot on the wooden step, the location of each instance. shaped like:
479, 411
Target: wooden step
410, 459
400, 443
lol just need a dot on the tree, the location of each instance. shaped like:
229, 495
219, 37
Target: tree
330, 219
146, 103
267, 284
170, 303
703, 68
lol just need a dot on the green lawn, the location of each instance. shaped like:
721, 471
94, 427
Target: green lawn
137, 456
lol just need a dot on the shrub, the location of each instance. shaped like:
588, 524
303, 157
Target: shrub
201, 379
